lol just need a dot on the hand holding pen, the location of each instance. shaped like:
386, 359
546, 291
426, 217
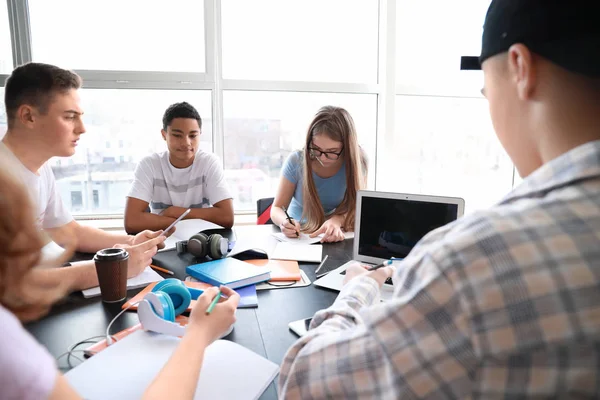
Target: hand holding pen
213, 314
383, 264
290, 228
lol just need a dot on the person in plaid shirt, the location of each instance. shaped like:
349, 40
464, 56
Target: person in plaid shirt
504, 303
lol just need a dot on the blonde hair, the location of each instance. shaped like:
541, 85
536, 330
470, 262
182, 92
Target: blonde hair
26, 287
337, 124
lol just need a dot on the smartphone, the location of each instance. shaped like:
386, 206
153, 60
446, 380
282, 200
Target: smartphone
300, 327
186, 212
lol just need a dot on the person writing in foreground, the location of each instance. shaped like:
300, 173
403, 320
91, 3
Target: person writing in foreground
503, 303
44, 117
27, 291
318, 184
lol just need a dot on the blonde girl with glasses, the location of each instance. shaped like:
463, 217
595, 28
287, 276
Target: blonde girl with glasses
317, 190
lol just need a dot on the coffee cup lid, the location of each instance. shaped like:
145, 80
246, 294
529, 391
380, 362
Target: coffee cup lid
111, 254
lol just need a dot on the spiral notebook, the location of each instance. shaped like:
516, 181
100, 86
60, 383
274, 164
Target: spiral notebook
125, 369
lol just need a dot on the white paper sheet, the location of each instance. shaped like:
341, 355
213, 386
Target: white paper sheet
298, 252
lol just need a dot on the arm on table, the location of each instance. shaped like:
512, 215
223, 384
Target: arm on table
137, 218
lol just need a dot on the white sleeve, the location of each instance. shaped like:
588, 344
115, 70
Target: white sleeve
216, 186
143, 182
55, 214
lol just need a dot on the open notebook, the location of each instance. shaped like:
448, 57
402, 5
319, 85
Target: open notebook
125, 369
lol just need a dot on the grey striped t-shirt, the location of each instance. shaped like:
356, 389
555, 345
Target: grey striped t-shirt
162, 185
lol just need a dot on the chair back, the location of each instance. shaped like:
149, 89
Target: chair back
263, 211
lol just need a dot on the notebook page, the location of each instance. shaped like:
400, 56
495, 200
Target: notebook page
228, 369
298, 252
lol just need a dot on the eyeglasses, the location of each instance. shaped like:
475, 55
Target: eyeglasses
331, 155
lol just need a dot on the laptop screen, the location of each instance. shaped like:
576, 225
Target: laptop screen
391, 227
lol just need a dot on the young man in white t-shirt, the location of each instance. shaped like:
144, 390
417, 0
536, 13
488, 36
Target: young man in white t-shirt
183, 177
44, 120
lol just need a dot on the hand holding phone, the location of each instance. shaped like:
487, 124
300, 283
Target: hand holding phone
186, 212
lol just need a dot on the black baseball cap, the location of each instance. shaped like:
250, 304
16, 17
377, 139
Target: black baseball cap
566, 32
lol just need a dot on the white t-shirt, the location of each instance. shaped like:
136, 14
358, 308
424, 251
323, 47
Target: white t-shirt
51, 212
28, 370
160, 184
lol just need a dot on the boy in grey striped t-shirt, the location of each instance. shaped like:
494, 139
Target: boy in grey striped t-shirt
183, 177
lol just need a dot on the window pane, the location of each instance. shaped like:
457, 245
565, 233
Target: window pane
6, 60
123, 126
3, 122
309, 40
454, 154
132, 35
431, 37
263, 128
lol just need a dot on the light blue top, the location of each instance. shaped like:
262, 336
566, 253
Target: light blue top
331, 190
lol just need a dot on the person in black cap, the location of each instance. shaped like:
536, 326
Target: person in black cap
504, 303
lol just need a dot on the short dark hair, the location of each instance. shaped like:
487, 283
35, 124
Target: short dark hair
180, 110
36, 84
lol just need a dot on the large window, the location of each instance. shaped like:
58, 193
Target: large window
431, 36
309, 40
263, 128
446, 146
6, 59
444, 143
131, 35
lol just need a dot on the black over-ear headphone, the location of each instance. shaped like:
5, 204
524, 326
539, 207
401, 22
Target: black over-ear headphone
201, 245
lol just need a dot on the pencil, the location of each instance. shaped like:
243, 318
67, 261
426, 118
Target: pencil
166, 271
289, 219
214, 303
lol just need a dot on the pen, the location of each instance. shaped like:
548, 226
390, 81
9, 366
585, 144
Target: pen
383, 264
214, 303
322, 263
166, 271
289, 219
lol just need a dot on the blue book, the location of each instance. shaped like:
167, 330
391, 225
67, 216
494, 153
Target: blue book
228, 271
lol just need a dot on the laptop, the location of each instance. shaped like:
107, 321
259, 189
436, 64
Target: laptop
389, 225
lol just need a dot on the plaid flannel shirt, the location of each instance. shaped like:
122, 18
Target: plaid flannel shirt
504, 303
